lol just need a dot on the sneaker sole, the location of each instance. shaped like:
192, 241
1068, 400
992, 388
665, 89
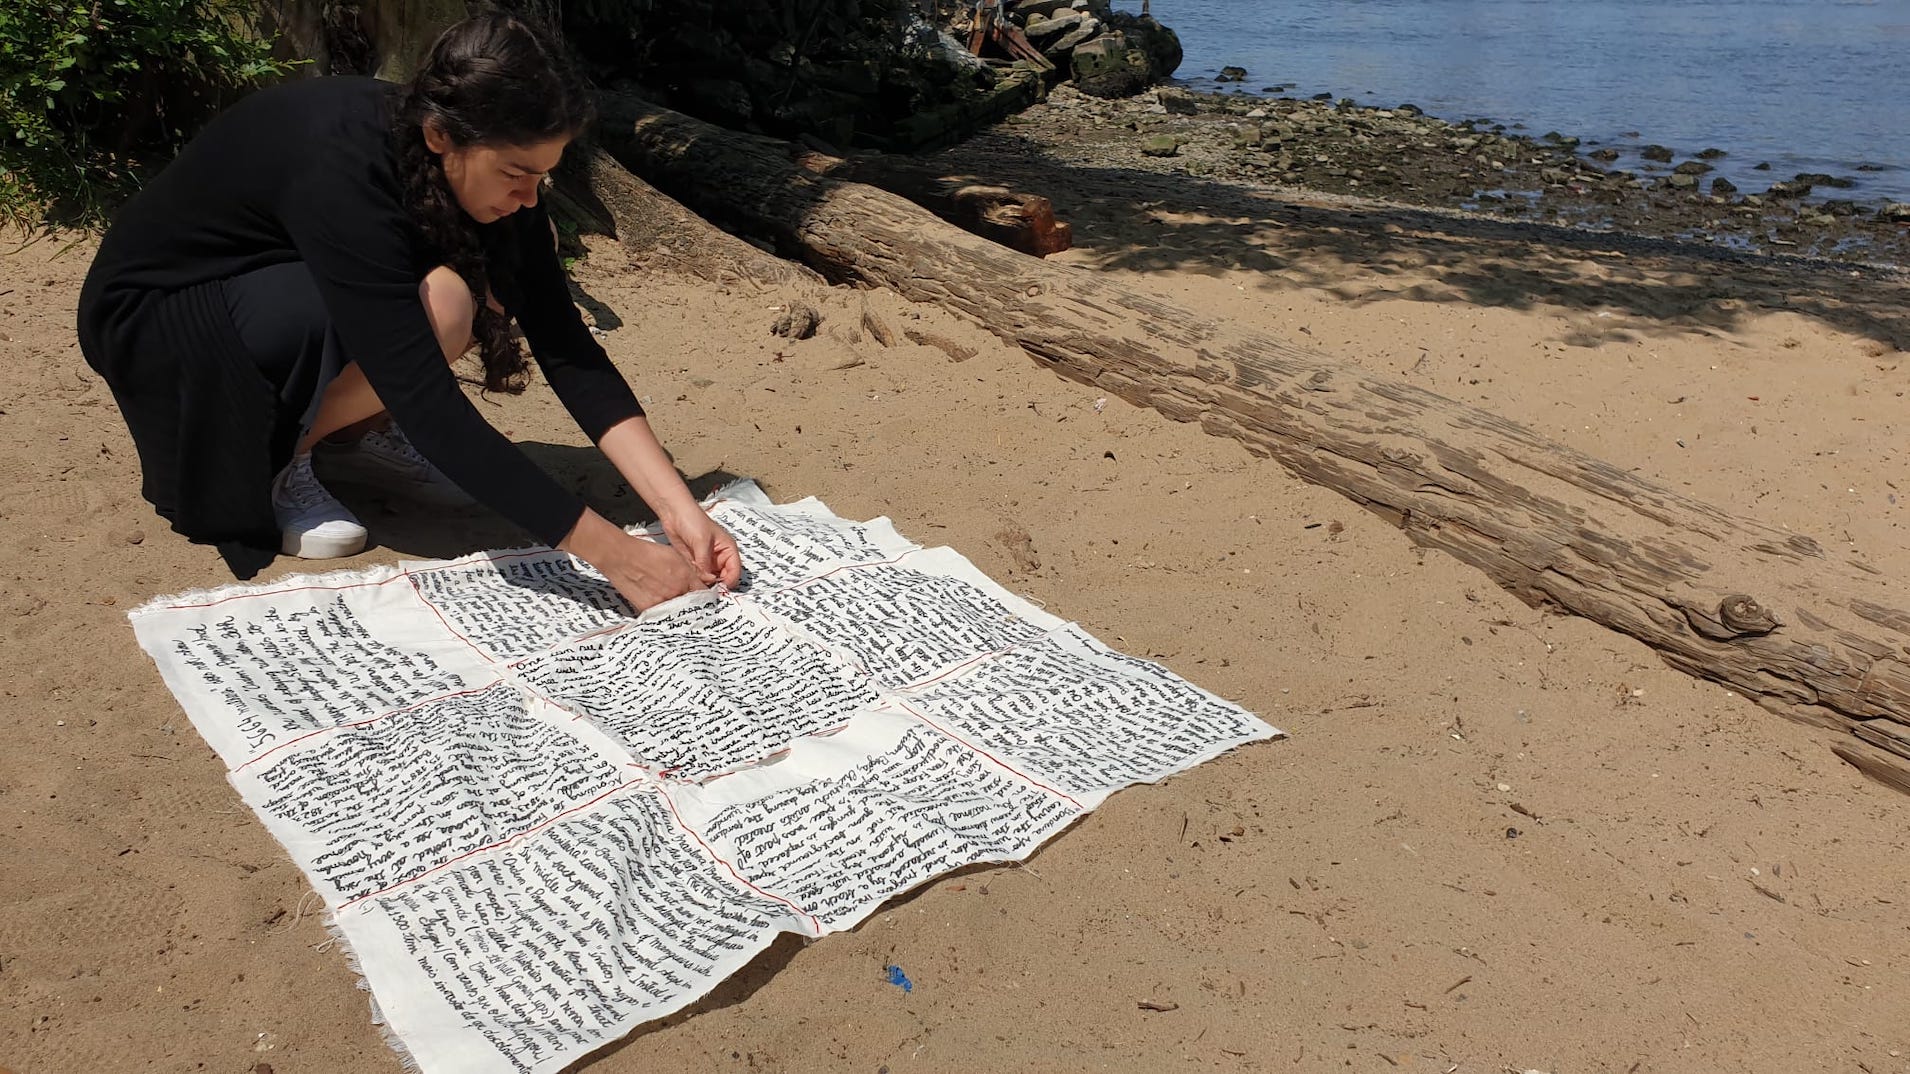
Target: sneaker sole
317, 546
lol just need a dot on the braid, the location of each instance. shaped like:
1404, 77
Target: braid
454, 235
492, 79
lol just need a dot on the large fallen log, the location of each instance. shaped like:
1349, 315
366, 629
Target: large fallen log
1016, 219
603, 198
1809, 633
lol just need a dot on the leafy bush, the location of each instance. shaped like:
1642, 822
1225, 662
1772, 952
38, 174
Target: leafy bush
92, 89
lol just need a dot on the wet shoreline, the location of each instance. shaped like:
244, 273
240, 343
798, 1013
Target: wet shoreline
1403, 156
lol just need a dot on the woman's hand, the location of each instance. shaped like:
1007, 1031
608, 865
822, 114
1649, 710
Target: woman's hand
632, 447
644, 572
708, 546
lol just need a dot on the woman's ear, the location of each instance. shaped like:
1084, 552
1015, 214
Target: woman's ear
435, 139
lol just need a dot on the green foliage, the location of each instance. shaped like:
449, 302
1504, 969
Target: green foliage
90, 89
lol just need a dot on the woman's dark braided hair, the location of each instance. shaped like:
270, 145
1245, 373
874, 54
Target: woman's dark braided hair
498, 80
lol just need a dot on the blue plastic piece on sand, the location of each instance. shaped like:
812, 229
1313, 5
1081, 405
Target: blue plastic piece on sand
900, 979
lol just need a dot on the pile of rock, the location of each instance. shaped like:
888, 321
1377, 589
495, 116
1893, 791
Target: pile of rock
1107, 53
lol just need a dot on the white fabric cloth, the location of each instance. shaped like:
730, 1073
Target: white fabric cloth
539, 821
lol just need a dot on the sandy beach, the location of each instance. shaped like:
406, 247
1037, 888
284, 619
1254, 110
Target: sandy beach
1495, 838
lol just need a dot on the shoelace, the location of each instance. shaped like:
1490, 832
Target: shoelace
302, 487
395, 443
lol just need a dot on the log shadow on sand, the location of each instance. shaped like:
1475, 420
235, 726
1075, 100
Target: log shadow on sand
1145, 221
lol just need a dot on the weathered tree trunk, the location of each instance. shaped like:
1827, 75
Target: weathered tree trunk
1016, 219
383, 37
606, 199
1821, 642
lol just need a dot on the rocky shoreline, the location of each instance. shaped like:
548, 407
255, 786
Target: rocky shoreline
1403, 156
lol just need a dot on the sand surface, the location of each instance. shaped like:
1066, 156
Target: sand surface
1495, 839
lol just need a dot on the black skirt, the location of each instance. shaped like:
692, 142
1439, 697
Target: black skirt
217, 384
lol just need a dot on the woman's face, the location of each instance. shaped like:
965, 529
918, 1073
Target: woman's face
492, 182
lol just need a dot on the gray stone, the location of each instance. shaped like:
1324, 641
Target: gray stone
1604, 156
1897, 212
1040, 28
1710, 153
1144, 32
1231, 74
1074, 38
1179, 101
1837, 182
1683, 180
1790, 188
1721, 185
1657, 153
1107, 67
1046, 9
1692, 167
1161, 145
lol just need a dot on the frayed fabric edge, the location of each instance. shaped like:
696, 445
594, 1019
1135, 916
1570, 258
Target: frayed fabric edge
328, 579
406, 1061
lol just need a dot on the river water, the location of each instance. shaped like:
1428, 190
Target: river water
1804, 85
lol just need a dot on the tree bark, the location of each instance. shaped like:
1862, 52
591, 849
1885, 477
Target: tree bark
1016, 219
395, 33
606, 199
1817, 636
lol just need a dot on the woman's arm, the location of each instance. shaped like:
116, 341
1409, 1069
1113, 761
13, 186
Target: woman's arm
589, 385
632, 447
597, 396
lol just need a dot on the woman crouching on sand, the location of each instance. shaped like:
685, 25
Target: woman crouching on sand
310, 266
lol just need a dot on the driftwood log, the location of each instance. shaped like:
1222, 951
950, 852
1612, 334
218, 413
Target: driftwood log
603, 198
1016, 219
1811, 633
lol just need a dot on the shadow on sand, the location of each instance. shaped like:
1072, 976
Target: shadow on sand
437, 533
1147, 221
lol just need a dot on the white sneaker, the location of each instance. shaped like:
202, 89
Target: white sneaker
385, 459
312, 523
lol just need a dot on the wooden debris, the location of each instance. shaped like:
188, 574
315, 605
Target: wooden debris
988, 25
1885, 768
1020, 546
1016, 219
798, 321
957, 352
877, 328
